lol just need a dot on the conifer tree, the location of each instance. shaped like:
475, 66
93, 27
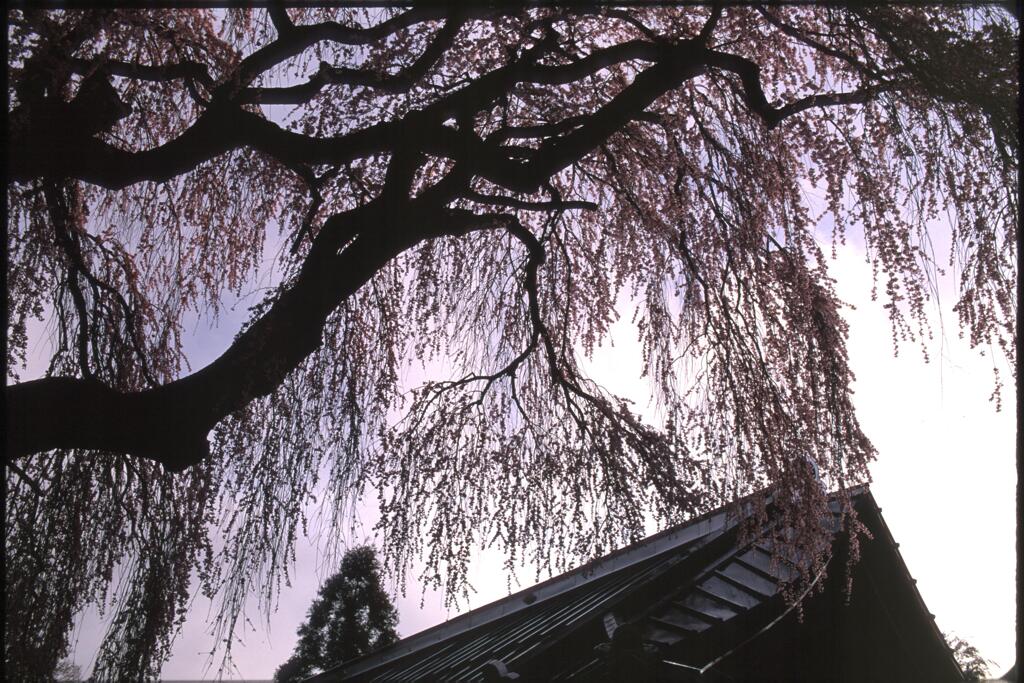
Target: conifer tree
351, 616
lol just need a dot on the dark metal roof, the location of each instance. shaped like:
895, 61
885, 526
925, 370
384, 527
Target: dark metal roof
689, 581
519, 636
592, 577
711, 592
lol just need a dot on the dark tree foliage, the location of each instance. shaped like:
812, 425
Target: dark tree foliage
351, 616
472, 196
973, 665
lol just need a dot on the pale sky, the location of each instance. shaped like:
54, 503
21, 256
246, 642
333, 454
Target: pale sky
945, 479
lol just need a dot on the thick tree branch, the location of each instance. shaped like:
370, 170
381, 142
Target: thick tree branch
753, 93
223, 127
279, 17
299, 38
43, 151
709, 26
169, 424
146, 72
827, 100
674, 66
396, 83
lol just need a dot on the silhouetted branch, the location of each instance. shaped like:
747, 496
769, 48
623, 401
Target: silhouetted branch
709, 26
279, 17
389, 83
146, 72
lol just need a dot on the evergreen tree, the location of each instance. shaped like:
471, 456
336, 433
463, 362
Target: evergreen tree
351, 615
973, 665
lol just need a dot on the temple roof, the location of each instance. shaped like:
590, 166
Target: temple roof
689, 601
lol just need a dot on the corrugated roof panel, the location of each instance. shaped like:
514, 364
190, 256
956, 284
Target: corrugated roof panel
467, 628
724, 588
679, 622
760, 561
465, 658
749, 579
705, 605
726, 591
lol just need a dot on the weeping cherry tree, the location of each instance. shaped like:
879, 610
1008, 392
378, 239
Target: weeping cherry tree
471, 197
